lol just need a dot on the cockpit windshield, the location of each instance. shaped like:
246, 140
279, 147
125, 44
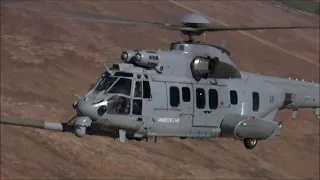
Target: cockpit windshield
105, 82
122, 86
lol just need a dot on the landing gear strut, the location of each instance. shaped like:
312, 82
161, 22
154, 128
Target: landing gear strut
250, 143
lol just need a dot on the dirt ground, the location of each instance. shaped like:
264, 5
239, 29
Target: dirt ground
45, 60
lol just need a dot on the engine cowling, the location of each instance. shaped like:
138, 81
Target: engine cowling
128, 56
201, 66
148, 59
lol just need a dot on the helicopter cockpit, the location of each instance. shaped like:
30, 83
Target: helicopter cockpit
119, 88
111, 94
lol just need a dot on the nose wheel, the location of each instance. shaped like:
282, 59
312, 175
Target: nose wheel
250, 143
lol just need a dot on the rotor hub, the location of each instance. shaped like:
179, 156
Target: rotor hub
194, 21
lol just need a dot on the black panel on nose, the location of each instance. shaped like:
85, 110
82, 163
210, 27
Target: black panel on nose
102, 110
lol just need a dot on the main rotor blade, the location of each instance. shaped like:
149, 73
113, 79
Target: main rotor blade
242, 28
37, 124
99, 18
66, 14
23, 122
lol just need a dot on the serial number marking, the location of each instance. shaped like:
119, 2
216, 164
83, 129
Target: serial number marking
271, 99
306, 98
169, 120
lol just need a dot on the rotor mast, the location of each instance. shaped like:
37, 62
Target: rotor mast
192, 35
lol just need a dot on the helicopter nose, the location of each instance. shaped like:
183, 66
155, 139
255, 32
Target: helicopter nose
84, 108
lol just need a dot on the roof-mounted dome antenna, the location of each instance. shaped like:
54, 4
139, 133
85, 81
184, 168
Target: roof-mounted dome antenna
193, 20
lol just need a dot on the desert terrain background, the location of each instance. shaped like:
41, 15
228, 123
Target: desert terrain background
45, 60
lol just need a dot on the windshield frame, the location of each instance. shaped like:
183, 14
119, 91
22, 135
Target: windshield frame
105, 75
106, 90
121, 75
119, 78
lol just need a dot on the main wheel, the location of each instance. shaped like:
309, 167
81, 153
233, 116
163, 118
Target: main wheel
250, 143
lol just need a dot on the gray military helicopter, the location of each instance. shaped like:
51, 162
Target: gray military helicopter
192, 90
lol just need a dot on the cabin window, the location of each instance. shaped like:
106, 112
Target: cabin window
181, 47
288, 97
186, 94
233, 97
146, 90
213, 99
174, 96
201, 98
255, 101
137, 107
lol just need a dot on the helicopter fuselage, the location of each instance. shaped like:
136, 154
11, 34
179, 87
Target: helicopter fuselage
191, 90
165, 98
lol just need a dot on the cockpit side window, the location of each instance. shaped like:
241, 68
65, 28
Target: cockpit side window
118, 105
137, 107
137, 101
138, 89
123, 86
146, 90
